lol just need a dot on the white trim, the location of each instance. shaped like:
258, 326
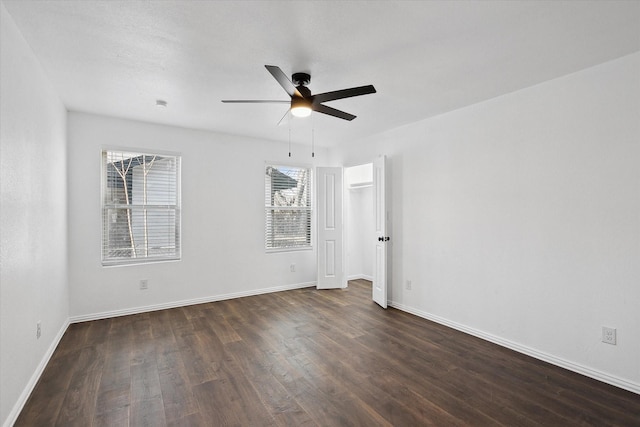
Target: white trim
291, 249
138, 149
35, 377
289, 164
359, 185
184, 303
360, 276
537, 354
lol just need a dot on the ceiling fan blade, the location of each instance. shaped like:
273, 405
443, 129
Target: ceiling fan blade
332, 112
344, 93
253, 101
284, 81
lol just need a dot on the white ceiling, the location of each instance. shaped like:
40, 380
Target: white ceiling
424, 58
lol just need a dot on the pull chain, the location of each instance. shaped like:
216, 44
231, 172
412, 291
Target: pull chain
289, 138
313, 128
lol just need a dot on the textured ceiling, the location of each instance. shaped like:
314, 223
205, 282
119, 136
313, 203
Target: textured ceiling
424, 58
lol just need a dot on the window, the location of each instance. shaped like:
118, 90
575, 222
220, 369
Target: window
140, 207
287, 207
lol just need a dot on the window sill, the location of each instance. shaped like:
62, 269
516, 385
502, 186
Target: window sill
275, 251
138, 262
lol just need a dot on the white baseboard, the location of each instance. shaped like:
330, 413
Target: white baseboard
183, 303
17, 408
546, 357
360, 276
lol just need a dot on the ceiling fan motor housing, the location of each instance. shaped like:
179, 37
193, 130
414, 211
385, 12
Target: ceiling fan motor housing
301, 79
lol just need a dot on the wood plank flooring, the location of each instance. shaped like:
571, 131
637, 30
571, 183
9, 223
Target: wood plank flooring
306, 358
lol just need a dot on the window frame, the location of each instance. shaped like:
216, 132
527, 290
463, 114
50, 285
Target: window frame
107, 261
310, 208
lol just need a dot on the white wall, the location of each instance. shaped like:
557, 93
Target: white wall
518, 219
222, 219
33, 274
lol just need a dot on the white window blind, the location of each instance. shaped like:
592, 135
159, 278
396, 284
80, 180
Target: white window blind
140, 207
287, 207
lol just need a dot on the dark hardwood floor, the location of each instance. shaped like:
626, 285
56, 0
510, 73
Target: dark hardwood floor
306, 357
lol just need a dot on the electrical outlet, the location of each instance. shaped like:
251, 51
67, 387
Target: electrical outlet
38, 329
144, 284
292, 267
609, 335
408, 285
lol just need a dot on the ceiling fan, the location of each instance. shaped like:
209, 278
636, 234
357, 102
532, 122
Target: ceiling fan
302, 101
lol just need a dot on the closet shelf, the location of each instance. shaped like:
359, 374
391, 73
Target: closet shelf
359, 185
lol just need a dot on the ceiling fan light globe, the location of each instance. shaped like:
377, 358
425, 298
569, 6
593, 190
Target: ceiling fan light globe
300, 107
301, 111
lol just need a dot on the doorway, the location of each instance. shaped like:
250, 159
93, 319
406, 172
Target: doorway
359, 221
352, 226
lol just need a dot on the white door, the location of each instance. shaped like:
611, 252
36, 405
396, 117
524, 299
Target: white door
330, 232
380, 238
